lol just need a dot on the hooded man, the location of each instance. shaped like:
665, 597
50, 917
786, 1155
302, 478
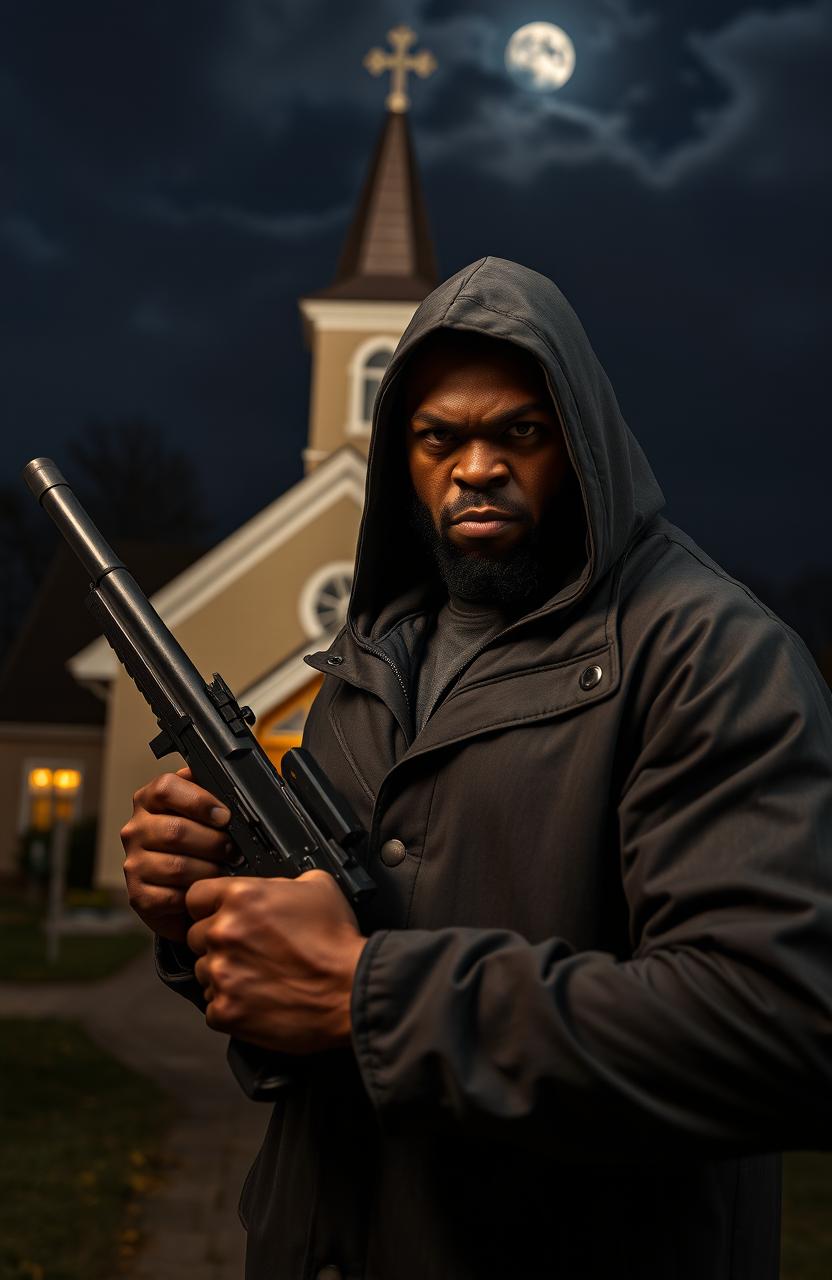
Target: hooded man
594, 997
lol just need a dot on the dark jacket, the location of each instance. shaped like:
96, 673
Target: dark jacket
598, 987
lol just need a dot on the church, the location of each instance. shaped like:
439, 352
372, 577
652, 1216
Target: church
279, 585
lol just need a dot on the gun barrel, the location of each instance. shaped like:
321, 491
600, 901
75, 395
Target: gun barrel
59, 502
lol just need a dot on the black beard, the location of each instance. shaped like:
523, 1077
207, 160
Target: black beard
526, 574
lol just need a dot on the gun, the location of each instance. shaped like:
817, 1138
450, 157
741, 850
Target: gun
280, 826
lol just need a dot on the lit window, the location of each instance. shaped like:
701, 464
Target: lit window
283, 728
51, 792
67, 780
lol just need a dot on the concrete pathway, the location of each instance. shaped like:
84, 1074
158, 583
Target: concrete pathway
190, 1225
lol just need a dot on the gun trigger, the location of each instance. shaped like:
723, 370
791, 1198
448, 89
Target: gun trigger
162, 745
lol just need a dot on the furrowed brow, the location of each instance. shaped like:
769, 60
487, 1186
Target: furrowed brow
435, 419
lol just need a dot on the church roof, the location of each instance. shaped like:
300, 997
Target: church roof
388, 253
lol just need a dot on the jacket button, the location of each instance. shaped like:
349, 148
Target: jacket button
334, 661
392, 853
590, 677
330, 1272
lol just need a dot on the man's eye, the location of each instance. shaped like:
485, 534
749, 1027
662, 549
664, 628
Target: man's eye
434, 432
527, 428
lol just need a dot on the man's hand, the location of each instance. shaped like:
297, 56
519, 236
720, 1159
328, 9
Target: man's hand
276, 959
173, 839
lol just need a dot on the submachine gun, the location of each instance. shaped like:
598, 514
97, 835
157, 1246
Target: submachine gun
280, 826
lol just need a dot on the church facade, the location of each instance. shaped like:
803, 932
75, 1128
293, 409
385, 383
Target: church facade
226, 609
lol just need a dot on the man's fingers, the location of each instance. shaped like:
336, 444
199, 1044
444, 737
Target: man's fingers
158, 904
170, 833
205, 897
179, 871
174, 793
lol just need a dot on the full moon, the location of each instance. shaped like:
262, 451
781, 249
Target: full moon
541, 56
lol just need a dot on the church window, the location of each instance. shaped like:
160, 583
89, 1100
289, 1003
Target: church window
373, 371
324, 599
367, 369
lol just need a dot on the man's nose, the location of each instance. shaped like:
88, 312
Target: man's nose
480, 463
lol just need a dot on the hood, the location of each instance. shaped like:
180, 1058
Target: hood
501, 299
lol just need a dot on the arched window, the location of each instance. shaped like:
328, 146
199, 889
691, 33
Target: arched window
366, 371
373, 370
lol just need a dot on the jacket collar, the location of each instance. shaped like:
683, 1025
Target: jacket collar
538, 668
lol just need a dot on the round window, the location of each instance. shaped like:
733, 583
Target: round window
330, 602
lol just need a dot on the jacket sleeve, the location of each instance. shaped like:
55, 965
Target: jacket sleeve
716, 1033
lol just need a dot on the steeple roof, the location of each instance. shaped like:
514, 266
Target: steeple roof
388, 253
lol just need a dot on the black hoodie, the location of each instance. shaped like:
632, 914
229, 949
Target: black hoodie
503, 300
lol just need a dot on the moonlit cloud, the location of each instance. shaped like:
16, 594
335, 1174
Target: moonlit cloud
776, 65
619, 19
759, 60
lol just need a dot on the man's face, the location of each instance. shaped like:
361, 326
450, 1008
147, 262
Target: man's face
488, 462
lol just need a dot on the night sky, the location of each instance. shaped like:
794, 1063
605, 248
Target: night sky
175, 173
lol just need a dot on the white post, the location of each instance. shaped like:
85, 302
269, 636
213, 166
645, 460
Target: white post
57, 884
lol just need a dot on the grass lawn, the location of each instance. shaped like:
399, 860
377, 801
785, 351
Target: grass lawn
23, 949
79, 1143
807, 1216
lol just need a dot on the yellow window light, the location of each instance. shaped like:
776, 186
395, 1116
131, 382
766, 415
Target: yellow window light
40, 779
67, 779
41, 812
64, 806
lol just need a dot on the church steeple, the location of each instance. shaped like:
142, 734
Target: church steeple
386, 267
388, 253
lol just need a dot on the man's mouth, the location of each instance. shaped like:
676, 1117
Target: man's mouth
483, 524
483, 513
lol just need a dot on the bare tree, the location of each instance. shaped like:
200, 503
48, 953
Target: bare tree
137, 484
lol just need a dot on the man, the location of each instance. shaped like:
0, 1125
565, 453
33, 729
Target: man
595, 989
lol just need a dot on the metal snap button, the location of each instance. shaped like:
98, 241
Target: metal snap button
590, 677
334, 661
392, 852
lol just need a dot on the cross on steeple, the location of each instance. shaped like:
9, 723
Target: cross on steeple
398, 64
